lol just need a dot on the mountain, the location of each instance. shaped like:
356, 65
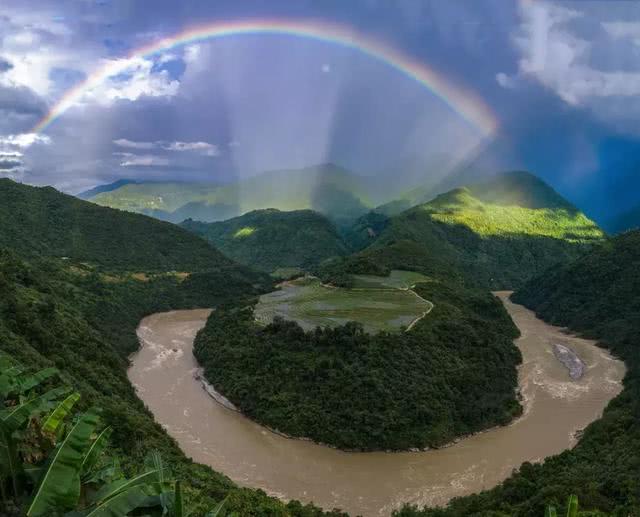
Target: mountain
88, 194
498, 233
270, 239
595, 295
328, 189
40, 221
628, 220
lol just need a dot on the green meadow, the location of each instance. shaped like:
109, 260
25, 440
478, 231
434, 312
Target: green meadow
378, 303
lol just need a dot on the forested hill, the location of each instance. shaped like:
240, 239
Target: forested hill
597, 295
271, 239
499, 233
44, 222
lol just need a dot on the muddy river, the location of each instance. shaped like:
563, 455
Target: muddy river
164, 373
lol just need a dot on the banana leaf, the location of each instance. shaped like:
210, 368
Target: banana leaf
17, 416
216, 512
10, 466
120, 504
96, 449
53, 421
59, 486
550, 512
28, 382
122, 485
572, 506
178, 503
8, 379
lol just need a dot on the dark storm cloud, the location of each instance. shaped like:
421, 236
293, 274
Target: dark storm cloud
9, 163
21, 100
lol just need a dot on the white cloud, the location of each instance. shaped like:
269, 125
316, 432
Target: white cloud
11, 154
505, 81
623, 29
131, 79
552, 53
130, 144
24, 140
146, 160
202, 147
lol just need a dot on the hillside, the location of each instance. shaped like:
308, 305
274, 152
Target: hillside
499, 233
44, 222
328, 189
270, 239
596, 296
81, 317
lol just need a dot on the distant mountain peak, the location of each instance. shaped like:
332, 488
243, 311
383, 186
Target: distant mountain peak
109, 187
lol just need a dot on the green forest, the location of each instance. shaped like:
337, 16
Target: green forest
451, 375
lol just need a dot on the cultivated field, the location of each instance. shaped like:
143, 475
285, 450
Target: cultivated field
379, 303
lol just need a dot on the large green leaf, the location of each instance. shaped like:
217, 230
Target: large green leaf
17, 416
550, 512
28, 382
91, 458
178, 503
122, 485
53, 421
121, 503
8, 378
572, 506
216, 512
59, 486
10, 466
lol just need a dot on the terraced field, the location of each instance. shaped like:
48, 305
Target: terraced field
379, 303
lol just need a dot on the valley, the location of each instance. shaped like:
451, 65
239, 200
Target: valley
319, 258
374, 483
381, 372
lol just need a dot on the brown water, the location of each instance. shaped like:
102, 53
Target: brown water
369, 484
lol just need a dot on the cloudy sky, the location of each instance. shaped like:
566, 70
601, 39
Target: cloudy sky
562, 79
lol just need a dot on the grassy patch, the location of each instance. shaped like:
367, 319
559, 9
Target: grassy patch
378, 303
244, 232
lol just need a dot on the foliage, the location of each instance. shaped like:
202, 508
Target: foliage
64, 468
596, 295
452, 374
271, 239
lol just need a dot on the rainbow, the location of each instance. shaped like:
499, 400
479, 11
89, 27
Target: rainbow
463, 102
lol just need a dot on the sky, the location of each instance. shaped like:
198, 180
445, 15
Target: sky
561, 79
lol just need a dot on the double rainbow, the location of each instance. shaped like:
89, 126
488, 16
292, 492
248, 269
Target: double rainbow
463, 102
